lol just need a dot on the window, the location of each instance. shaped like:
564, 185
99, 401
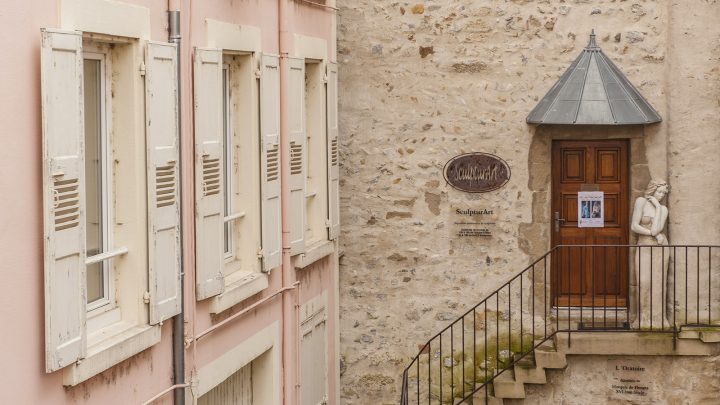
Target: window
314, 186
313, 351
246, 373
316, 208
238, 228
97, 181
99, 239
228, 174
235, 390
99, 229
242, 160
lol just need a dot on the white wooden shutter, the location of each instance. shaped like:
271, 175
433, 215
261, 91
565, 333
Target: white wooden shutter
333, 159
161, 113
270, 161
63, 198
209, 156
313, 359
297, 136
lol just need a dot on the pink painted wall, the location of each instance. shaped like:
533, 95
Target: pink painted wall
312, 21
315, 278
21, 267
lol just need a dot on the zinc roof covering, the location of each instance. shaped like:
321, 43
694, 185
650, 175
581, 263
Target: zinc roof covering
593, 91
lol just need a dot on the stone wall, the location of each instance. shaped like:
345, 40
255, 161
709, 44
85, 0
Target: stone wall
421, 82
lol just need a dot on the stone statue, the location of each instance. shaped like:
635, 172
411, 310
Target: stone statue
648, 221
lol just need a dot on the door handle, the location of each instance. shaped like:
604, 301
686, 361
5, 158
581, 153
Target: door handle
557, 221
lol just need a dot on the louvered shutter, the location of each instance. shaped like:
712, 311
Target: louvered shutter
333, 159
297, 136
63, 198
161, 113
270, 161
208, 172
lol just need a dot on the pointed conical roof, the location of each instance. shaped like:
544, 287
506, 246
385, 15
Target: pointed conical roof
593, 91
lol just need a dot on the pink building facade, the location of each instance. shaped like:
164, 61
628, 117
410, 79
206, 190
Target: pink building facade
166, 185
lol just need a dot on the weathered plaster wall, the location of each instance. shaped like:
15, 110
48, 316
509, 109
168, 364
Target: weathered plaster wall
694, 144
423, 81
588, 380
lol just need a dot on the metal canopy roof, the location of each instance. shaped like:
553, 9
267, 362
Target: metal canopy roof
593, 91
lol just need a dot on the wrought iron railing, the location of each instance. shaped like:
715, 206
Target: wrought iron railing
571, 288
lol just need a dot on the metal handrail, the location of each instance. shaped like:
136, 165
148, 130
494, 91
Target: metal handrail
493, 349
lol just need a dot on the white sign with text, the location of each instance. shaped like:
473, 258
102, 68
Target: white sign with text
591, 209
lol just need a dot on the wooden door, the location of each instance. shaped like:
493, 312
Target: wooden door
584, 275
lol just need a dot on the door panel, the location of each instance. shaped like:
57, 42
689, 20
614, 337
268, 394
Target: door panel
608, 165
584, 276
611, 211
573, 161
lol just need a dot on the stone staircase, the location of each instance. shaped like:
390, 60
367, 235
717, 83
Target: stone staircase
552, 354
515, 335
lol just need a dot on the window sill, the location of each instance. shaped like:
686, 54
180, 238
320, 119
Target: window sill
108, 347
315, 252
239, 286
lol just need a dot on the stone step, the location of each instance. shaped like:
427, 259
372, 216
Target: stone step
505, 386
546, 358
710, 336
491, 400
479, 398
528, 361
707, 334
530, 375
634, 343
547, 344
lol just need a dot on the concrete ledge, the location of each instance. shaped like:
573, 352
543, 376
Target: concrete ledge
238, 287
127, 342
314, 253
632, 344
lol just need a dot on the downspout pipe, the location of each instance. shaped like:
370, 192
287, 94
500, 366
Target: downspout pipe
290, 383
178, 325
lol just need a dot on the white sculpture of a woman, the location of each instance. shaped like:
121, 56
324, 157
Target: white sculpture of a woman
648, 221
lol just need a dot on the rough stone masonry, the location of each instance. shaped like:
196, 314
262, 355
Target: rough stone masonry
421, 82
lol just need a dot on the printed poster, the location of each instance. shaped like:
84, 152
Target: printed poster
591, 209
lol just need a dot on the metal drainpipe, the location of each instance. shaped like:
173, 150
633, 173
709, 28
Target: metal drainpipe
290, 332
178, 336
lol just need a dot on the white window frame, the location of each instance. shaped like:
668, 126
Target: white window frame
78, 354
242, 272
314, 185
228, 177
99, 311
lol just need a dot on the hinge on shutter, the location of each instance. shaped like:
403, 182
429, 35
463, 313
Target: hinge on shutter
142, 68
258, 73
260, 253
325, 78
328, 224
146, 297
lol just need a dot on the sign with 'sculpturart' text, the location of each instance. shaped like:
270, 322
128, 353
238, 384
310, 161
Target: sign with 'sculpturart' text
476, 172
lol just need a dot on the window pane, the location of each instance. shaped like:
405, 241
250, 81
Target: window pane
93, 177
227, 161
95, 282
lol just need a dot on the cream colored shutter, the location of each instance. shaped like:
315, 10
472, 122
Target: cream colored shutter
209, 157
332, 150
270, 161
63, 198
297, 134
313, 359
161, 112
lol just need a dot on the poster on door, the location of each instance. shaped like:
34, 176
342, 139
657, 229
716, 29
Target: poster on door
591, 209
